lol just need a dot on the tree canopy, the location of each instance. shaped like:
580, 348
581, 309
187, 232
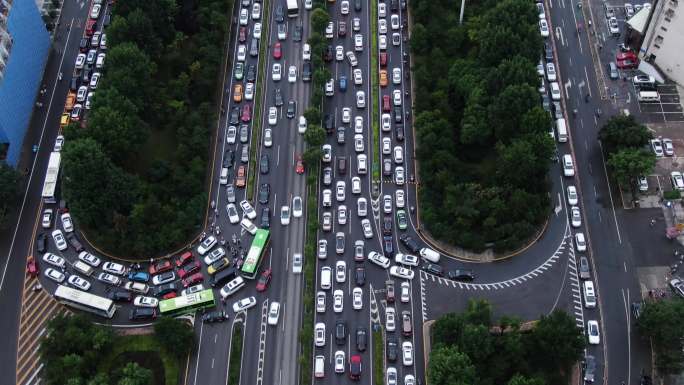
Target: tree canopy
624, 141
9, 191
483, 147
661, 322
175, 335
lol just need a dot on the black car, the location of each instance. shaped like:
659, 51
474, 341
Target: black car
392, 349
387, 226
548, 51
279, 14
340, 135
360, 276
357, 5
74, 242
546, 103
215, 316
397, 114
41, 243
298, 31
328, 53
433, 269
399, 132
306, 71
291, 109
388, 246
143, 313
120, 296
228, 159
107, 19
234, 116
328, 123
264, 193
251, 73
278, 96
409, 243
165, 289
361, 339
394, 5
461, 275
340, 332
589, 368
403, 4
263, 164
265, 218
84, 45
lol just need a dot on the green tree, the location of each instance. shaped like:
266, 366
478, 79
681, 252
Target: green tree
176, 336
556, 343
448, 366
312, 115
314, 135
622, 131
9, 191
319, 20
660, 321
521, 380
312, 155
134, 374
99, 379
629, 163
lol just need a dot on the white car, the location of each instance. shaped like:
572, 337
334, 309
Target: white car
399, 176
576, 217
358, 76
272, 116
256, 11
405, 292
301, 124
339, 361
386, 122
401, 272
197, 289
398, 155
396, 75
399, 199
143, 301
292, 74
572, 195
206, 245
550, 72
297, 263
360, 99
677, 180
212, 257
406, 259
339, 191
657, 146
80, 60
409, 379
256, 32
340, 271
327, 198
580, 242
273, 312
327, 221
391, 376
344, 7
544, 28
60, 242
382, 42
386, 146
362, 207
367, 229
394, 22
54, 275
593, 332
59, 143
78, 282
568, 167
357, 298
285, 215
242, 53
407, 353
89, 258
322, 248
114, 268
67, 224
326, 151
339, 53
342, 215
338, 301
390, 319
231, 134
244, 304
297, 207
276, 72
244, 16
356, 185
555, 91
358, 124
379, 259
613, 26
351, 58
330, 30
95, 11
46, 221
319, 333
308, 4
358, 42
320, 302
268, 137
248, 210
346, 115
382, 26
667, 145
382, 10
53, 260
356, 24
306, 52
233, 215
109, 279
387, 204
396, 98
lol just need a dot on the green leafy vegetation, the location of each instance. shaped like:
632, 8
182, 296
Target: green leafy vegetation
77, 352
378, 357
9, 191
235, 360
135, 175
625, 142
661, 321
483, 143
466, 352
176, 336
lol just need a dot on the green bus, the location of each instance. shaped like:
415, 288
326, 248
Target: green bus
188, 303
256, 253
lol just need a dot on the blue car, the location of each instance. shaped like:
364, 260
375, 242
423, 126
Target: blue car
343, 83
138, 276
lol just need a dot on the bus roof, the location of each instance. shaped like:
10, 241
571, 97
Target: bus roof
78, 296
51, 175
168, 305
255, 251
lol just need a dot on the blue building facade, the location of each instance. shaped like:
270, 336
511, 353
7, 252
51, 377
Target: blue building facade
24, 48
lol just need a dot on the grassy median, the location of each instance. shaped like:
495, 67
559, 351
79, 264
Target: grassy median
378, 357
375, 90
235, 359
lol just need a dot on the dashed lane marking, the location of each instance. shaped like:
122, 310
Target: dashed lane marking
262, 343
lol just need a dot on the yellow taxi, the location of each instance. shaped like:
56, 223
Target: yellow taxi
237, 93
383, 78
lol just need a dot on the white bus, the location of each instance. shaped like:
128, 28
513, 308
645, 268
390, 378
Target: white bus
51, 177
648, 96
292, 8
85, 301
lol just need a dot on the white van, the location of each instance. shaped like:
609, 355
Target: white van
429, 254
223, 179
648, 96
83, 268
589, 294
326, 278
248, 226
232, 287
319, 367
562, 130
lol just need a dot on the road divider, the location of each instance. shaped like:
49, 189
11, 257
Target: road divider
235, 358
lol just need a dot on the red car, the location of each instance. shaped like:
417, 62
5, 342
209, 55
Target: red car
383, 59
242, 35
626, 55
355, 367
246, 113
31, 266
263, 281
277, 51
628, 63
299, 165
184, 258
170, 295
386, 107
161, 267
193, 279
90, 27
189, 269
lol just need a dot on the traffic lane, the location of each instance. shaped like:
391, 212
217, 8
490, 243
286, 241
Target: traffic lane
211, 359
